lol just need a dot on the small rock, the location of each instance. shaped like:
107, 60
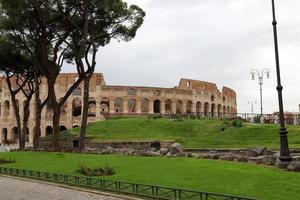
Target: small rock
269, 160
256, 160
294, 166
163, 151
175, 148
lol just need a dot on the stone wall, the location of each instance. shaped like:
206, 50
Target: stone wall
190, 96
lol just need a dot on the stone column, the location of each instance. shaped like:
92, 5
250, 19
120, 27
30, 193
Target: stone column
162, 107
139, 106
194, 105
70, 113
98, 110
183, 107
125, 106
173, 107
151, 108
111, 106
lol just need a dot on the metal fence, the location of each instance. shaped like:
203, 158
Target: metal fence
291, 119
146, 191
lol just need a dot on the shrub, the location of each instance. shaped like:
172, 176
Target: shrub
7, 160
237, 124
96, 171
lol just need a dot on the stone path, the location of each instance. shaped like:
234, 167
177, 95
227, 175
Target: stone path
14, 189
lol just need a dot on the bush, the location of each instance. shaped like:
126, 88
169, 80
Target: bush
228, 124
96, 171
178, 117
7, 160
237, 124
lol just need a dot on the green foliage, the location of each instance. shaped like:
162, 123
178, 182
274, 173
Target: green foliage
96, 171
7, 160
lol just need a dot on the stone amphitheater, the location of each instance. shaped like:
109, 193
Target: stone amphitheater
106, 101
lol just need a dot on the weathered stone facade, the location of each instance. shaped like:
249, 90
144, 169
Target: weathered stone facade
190, 96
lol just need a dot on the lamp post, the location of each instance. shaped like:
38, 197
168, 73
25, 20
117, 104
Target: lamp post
260, 76
284, 158
252, 103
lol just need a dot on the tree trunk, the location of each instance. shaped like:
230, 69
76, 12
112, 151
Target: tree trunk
56, 112
25, 119
38, 115
18, 120
84, 113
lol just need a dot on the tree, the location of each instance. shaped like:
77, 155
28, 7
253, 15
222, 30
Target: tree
18, 71
97, 22
38, 26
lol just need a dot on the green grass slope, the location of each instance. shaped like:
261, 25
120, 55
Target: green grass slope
240, 179
191, 133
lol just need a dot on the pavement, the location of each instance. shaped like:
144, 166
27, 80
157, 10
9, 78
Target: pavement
20, 189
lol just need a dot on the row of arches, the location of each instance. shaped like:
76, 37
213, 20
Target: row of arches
14, 136
119, 105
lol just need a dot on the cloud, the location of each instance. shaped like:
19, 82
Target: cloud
218, 41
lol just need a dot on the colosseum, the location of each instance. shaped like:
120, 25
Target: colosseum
106, 101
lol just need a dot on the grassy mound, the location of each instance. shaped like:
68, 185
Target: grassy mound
191, 133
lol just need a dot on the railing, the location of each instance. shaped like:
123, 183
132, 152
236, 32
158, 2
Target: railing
146, 191
291, 119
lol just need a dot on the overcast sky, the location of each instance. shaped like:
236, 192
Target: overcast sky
218, 41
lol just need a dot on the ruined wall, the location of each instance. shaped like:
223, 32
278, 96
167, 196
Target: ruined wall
190, 96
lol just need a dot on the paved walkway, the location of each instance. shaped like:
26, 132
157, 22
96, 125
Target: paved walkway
15, 189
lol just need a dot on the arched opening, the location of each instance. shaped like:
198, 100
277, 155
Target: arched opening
198, 107
118, 105
219, 110
49, 130
212, 98
179, 106
189, 107
6, 108
92, 107
4, 136
213, 110
76, 107
156, 106
27, 135
76, 126
228, 109
168, 106
104, 105
131, 105
15, 135
224, 109
62, 128
145, 105
206, 108
232, 110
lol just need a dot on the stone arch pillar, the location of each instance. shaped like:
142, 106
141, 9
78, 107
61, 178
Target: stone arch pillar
151, 110
162, 107
125, 106
139, 106
112, 105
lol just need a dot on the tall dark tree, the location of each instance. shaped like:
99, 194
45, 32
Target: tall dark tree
18, 70
97, 22
37, 23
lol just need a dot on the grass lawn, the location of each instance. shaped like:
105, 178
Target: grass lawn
191, 133
217, 176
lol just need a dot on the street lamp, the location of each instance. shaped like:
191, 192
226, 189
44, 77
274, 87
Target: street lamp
252, 103
260, 76
284, 158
